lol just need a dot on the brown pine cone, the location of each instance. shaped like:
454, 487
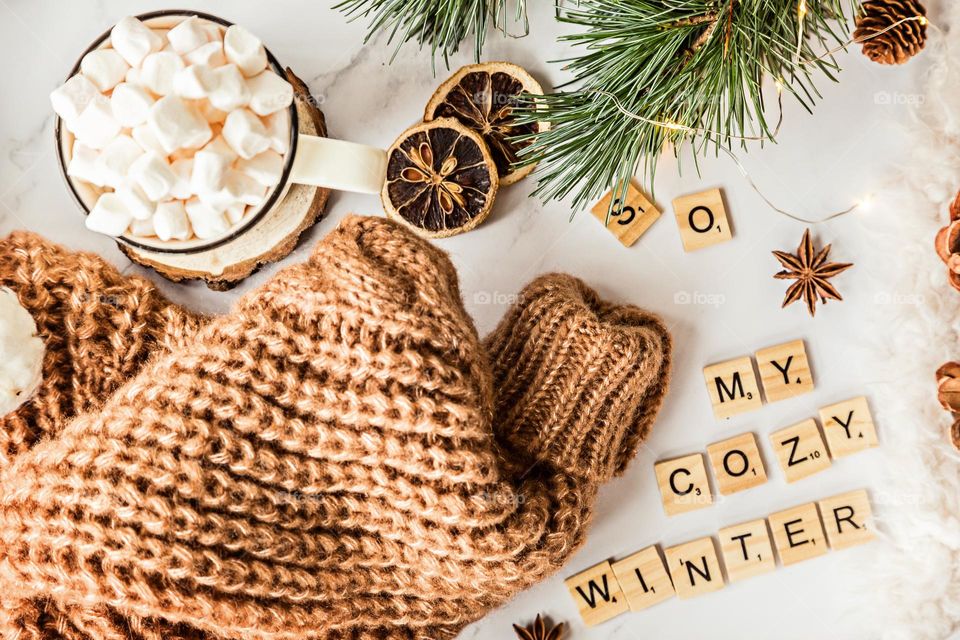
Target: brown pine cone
900, 43
947, 244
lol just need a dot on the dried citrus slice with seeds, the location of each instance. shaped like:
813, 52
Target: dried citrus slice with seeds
441, 179
483, 97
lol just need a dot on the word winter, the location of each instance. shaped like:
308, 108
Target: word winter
697, 567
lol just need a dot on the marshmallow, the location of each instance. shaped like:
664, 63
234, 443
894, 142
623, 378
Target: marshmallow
243, 188
230, 89
143, 134
114, 161
269, 93
217, 199
188, 35
130, 104
206, 222
152, 173
142, 228
134, 41
195, 82
132, 76
158, 71
170, 221
183, 169
96, 126
209, 168
235, 212
72, 97
83, 165
109, 216
104, 68
138, 205
266, 168
278, 130
177, 126
210, 54
245, 50
245, 134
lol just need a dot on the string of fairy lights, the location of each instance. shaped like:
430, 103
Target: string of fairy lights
862, 204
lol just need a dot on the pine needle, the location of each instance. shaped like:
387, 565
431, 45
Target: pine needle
698, 64
440, 25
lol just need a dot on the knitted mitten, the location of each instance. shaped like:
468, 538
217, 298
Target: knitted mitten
324, 462
98, 327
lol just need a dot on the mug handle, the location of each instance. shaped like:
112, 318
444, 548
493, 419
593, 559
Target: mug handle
339, 165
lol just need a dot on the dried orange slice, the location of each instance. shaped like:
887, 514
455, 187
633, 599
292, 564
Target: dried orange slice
483, 97
441, 179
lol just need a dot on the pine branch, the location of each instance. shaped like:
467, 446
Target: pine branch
697, 63
440, 24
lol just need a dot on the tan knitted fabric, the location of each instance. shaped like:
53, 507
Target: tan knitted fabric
99, 328
331, 459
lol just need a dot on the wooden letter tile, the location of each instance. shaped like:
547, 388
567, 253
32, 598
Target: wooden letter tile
784, 371
643, 579
848, 426
684, 485
798, 534
737, 464
630, 220
597, 594
732, 387
800, 450
702, 219
847, 519
747, 550
695, 568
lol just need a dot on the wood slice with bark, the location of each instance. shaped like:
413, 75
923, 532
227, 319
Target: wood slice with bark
269, 240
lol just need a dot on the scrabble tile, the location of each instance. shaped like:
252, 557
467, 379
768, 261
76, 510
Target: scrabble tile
847, 519
747, 550
684, 485
702, 219
737, 464
784, 371
630, 220
643, 579
798, 534
695, 568
597, 594
800, 450
732, 387
848, 427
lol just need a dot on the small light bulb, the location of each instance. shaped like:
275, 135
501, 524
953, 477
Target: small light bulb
923, 21
802, 9
865, 204
673, 126
779, 85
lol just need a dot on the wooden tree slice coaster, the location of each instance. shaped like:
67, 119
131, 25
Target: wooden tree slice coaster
269, 240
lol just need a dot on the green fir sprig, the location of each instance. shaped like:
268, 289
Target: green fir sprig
440, 25
682, 67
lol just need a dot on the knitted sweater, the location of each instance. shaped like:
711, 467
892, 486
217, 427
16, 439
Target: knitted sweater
338, 457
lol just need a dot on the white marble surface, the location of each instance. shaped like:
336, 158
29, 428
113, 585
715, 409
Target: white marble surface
823, 163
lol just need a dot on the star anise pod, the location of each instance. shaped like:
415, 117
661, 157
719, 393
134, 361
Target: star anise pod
812, 273
539, 631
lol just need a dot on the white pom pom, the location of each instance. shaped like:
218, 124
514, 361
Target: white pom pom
21, 353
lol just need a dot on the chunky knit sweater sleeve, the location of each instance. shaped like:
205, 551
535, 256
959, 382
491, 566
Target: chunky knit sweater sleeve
339, 457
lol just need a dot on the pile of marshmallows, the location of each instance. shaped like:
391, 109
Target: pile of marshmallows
181, 132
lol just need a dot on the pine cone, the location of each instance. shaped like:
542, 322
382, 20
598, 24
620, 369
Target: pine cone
948, 392
947, 244
900, 43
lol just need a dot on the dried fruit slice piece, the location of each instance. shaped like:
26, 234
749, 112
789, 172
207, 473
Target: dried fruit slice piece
483, 97
441, 180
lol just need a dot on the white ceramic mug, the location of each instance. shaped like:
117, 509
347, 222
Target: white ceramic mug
310, 160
